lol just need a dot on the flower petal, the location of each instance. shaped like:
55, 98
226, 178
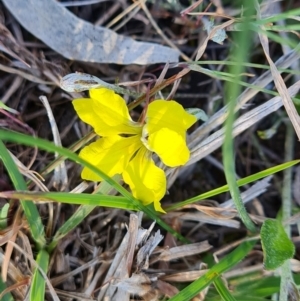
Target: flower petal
147, 182
110, 154
106, 112
168, 114
170, 146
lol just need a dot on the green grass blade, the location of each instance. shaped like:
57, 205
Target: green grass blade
37, 289
285, 27
245, 64
81, 213
263, 287
110, 201
223, 290
243, 298
215, 272
48, 146
241, 182
31, 212
282, 16
277, 38
227, 77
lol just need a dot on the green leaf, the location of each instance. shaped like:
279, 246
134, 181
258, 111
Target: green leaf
37, 291
257, 287
277, 247
215, 272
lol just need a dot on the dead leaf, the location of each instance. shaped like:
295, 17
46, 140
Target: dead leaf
79, 40
279, 82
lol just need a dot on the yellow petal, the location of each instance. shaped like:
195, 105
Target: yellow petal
168, 114
106, 112
110, 154
147, 182
170, 146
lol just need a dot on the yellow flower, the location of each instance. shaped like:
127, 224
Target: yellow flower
126, 146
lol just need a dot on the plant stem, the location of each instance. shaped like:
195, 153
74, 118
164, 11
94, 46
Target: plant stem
240, 54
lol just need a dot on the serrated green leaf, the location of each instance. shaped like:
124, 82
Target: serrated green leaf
277, 247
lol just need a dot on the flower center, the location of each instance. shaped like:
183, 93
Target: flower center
144, 138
